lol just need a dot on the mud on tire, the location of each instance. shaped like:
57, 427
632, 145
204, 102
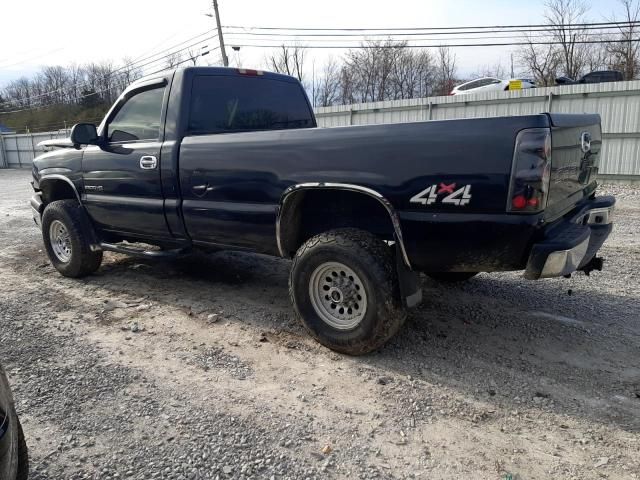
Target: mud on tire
71, 254
368, 267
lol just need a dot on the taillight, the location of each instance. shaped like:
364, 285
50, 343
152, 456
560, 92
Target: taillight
250, 73
531, 171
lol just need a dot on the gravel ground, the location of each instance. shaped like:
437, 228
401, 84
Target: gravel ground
197, 369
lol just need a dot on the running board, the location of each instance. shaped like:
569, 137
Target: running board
143, 253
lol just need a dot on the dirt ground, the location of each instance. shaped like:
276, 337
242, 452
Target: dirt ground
198, 369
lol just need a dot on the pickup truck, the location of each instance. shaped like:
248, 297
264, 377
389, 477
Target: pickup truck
216, 158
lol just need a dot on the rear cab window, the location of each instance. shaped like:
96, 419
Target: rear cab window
236, 103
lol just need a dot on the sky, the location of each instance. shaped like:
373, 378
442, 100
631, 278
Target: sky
34, 33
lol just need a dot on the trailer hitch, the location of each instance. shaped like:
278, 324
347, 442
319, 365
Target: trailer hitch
595, 263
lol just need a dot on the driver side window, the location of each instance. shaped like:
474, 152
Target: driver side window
138, 119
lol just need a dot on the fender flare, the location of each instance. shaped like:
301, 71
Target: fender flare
393, 215
55, 176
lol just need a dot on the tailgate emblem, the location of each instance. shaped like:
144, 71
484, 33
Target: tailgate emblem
585, 141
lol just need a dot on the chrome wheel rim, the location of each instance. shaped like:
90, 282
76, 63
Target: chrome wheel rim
60, 241
337, 295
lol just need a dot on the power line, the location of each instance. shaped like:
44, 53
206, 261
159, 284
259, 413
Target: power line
49, 52
130, 66
493, 27
548, 29
231, 36
98, 91
161, 44
511, 44
208, 32
58, 124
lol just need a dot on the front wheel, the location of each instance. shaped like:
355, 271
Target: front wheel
344, 288
66, 234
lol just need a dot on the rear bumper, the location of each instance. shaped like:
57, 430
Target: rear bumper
36, 209
572, 243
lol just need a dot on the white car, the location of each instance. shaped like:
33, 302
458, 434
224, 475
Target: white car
489, 84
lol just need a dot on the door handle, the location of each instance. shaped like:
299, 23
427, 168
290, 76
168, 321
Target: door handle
200, 190
148, 162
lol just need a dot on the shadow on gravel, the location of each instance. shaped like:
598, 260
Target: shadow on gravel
516, 344
499, 339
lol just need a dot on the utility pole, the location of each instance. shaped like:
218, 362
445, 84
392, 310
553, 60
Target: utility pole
225, 60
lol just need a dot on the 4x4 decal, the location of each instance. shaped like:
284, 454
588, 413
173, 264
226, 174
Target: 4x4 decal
433, 194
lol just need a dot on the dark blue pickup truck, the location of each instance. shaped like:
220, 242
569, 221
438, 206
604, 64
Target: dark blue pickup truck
215, 158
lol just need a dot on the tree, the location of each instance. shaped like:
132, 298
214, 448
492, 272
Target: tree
193, 55
541, 61
173, 60
496, 70
562, 17
370, 69
445, 71
413, 74
55, 80
327, 89
625, 55
567, 55
127, 73
288, 60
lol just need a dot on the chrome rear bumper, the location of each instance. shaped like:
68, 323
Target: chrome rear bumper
571, 244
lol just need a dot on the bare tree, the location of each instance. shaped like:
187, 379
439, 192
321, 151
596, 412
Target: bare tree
413, 74
446, 71
76, 79
173, 60
541, 61
370, 69
193, 55
327, 88
625, 55
497, 70
288, 60
599, 56
562, 17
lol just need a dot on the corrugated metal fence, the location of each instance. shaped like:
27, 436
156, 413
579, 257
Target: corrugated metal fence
17, 151
617, 103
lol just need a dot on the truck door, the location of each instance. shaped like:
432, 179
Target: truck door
230, 187
122, 187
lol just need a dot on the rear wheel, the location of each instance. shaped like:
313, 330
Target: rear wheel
66, 232
23, 456
451, 277
344, 287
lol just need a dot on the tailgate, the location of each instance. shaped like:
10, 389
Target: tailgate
576, 143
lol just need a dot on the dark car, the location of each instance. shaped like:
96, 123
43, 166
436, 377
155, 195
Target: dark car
593, 77
602, 76
215, 158
14, 463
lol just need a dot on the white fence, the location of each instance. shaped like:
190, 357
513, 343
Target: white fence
617, 103
18, 151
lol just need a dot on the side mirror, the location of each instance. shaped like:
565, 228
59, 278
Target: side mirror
84, 134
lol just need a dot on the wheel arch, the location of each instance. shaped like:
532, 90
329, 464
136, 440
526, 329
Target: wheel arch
58, 187
288, 221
